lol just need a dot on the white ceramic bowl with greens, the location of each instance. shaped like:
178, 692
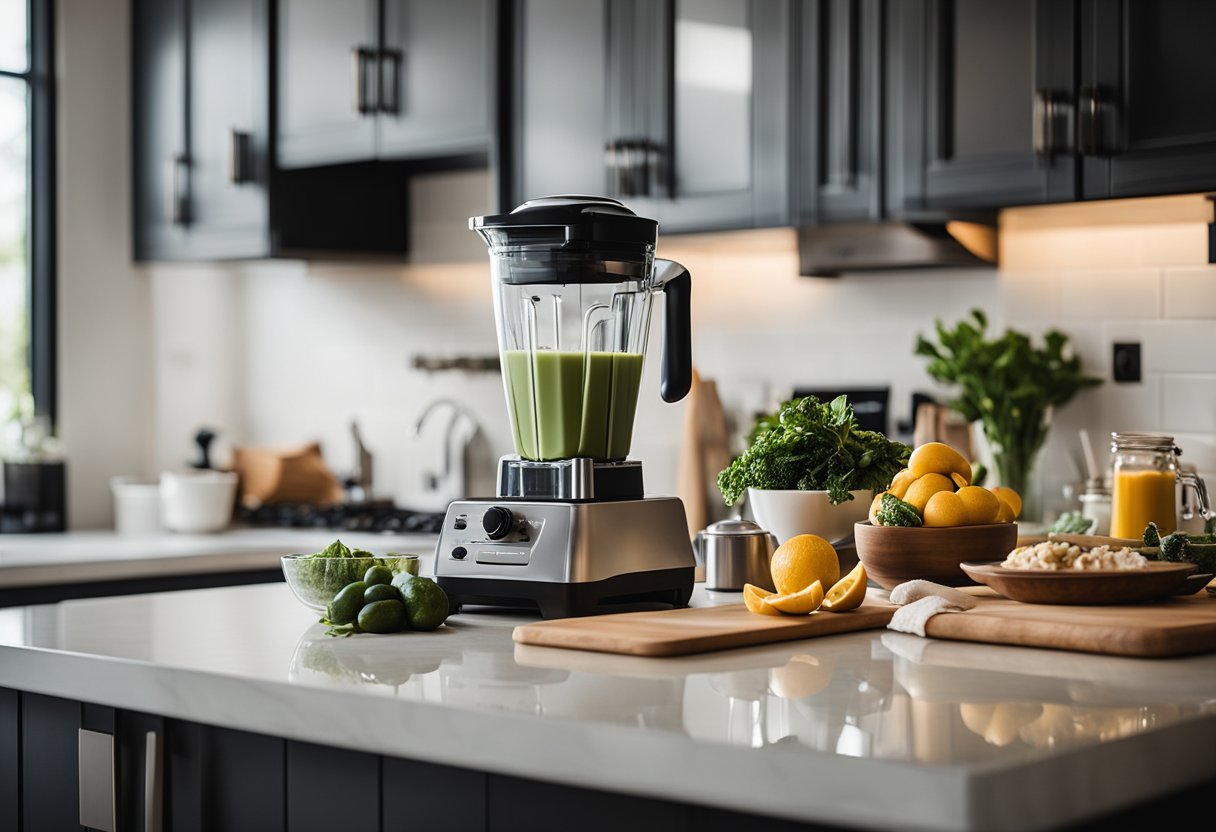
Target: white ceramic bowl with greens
790, 513
316, 580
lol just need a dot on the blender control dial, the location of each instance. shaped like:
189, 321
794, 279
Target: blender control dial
498, 522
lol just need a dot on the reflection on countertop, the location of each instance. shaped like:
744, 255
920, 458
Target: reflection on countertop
876, 694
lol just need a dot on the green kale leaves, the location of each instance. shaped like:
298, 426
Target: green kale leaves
813, 446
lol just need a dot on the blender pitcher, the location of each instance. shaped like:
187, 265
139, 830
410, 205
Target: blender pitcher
573, 279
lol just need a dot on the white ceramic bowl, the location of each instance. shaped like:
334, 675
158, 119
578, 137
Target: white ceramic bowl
790, 513
197, 501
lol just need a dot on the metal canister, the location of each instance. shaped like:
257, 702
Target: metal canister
735, 552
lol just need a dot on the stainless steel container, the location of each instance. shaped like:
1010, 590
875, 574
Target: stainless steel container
735, 552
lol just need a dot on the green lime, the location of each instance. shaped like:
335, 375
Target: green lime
426, 604
378, 575
381, 592
346, 604
382, 617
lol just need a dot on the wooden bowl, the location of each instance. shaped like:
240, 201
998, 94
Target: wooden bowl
1068, 586
894, 554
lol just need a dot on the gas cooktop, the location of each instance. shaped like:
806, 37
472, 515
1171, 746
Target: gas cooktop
355, 517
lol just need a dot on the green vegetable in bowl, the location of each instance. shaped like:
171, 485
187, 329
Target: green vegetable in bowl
893, 511
814, 446
1179, 547
1152, 535
336, 565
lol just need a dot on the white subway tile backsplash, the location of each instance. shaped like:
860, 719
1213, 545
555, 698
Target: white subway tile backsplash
1179, 347
1190, 292
1189, 404
1111, 293
1170, 244
1030, 295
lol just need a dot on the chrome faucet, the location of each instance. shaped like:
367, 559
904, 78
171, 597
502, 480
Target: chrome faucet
452, 478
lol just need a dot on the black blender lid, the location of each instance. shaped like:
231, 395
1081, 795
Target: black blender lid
591, 219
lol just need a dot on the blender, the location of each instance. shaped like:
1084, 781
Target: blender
571, 531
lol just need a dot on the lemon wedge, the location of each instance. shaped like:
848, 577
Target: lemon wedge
803, 602
753, 598
849, 591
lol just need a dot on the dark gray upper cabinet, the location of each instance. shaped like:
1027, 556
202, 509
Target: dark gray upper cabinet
981, 103
326, 81
838, 153
201, 129
678, 108
1146, 117
384, 79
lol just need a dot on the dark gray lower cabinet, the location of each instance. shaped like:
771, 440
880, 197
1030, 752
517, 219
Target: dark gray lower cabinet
332, 788
10, 759
529, 806
409, 792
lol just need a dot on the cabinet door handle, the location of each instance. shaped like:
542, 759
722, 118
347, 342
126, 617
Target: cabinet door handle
390, 91
239, 144
175, 193
153, 783
1042, 123
1089, 141
360, 57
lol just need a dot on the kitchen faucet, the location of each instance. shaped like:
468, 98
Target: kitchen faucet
452, 478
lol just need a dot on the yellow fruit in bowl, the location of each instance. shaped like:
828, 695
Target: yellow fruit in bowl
925, 487
1005, 515
945, 508
799, 603
1008, 495
980, 505
849, 592
874, 506
900, 483
802, 560
753, 599
940, 458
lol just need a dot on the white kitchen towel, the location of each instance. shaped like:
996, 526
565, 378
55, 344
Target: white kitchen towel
921, 600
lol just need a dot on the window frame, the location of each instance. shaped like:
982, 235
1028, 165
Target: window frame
40, 242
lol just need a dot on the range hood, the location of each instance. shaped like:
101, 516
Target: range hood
908, 243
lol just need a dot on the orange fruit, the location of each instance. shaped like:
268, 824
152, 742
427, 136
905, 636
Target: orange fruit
753, 599
980, 505
940, 458
925, 487
874, 506
900, 483
799, 603
1005, 515
802, 560
848, 593
945, 509
1008, 495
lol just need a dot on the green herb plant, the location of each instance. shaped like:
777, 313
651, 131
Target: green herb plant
1008, 384
812, 446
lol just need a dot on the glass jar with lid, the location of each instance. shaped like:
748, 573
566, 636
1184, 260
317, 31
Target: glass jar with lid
1145, 484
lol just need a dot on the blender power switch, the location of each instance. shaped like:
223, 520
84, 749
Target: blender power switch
497, 521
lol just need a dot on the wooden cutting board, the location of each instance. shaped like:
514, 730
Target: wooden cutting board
694, 630
1175, 627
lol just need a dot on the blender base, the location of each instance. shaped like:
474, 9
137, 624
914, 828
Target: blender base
556, 600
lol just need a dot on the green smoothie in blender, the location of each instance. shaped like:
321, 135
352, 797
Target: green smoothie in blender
567, 404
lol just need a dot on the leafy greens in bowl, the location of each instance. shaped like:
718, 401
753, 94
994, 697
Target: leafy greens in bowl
316, 579
813, 446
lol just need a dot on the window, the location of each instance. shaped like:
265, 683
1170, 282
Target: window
26, 211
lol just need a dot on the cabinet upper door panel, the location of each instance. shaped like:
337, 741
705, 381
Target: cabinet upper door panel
434, 77
160, 149
997, 84
230, 105
327, 83
560, 116
1149, 75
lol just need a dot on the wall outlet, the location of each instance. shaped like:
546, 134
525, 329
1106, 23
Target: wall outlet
1125, 362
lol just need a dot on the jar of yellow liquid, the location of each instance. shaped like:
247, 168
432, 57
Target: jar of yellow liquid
1146, 477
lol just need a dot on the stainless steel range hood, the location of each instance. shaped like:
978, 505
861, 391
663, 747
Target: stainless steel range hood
909, 243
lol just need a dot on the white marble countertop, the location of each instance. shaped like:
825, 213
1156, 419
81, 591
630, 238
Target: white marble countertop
877, 730
75, 557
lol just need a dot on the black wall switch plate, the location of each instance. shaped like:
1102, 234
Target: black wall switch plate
1125, 362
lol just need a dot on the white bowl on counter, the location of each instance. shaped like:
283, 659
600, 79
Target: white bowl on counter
197, 502
787, 514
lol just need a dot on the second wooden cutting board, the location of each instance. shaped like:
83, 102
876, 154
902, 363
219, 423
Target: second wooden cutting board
694, 630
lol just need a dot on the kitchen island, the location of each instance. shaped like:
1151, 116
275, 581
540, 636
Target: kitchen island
462, 728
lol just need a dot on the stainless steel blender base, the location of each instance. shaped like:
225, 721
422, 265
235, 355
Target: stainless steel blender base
565, 559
